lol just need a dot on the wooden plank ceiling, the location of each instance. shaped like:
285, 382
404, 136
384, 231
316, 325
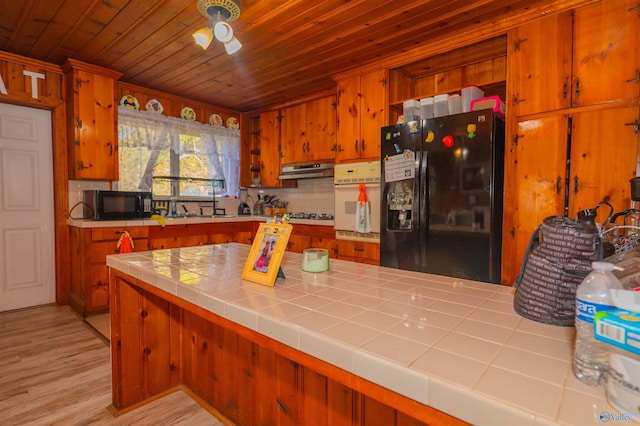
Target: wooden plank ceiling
290, 47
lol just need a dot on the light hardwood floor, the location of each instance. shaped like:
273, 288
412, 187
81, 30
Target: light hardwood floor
55, 370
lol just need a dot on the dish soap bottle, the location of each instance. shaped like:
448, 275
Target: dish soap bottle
590, 358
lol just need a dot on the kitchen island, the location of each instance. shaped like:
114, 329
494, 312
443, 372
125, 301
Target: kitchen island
359, 344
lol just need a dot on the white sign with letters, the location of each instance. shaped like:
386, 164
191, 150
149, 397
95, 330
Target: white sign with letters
34, 76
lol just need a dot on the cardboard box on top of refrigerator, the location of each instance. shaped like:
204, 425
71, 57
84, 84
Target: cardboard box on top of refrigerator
493, 102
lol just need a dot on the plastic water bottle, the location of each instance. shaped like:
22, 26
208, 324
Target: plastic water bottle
590, 359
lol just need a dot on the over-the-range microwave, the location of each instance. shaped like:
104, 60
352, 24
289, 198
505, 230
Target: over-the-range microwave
116, 205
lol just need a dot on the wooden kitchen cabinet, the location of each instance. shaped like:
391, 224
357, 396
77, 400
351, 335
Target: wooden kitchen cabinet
249, 150
270, 148
309, 131
362, 106
359, 251
91, 121
200, 234
89, 287
572, 123
586, 57
306, 236
600, 167
602, 149
160, 343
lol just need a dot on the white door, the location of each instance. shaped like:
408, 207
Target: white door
27, 250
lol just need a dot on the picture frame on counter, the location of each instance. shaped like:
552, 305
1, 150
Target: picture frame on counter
263, 264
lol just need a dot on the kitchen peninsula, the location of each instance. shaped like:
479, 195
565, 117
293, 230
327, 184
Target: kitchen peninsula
359, 344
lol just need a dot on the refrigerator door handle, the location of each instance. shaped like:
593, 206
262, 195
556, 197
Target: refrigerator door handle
423, 193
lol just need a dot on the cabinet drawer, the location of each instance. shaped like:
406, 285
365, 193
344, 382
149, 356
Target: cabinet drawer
298, 243
358, 249
100, 249
113, 233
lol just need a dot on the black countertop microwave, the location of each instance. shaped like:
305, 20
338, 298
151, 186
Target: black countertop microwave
116, 205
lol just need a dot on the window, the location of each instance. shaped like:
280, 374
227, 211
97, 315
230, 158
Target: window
151, 144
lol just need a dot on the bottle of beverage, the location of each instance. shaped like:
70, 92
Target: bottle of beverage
590, 358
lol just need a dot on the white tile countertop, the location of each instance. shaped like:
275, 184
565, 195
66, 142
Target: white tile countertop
452, 344
89, 223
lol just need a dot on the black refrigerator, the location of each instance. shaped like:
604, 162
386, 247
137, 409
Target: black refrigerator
442, 195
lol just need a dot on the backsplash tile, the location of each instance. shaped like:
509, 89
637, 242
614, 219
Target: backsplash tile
311, 196
75, 194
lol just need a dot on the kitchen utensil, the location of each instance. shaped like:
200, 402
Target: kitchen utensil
243, 207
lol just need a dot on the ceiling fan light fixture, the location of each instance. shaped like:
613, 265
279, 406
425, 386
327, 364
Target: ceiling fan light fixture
223, 31
232, 46
203, 37
220, 12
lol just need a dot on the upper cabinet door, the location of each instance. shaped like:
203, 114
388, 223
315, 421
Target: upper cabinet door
309, 131
564, 60
374, 100
270, 148
362, 107
349, 113
539, 54
321, 128
294, 141
91, 122
606, 48
603, 158
537, 162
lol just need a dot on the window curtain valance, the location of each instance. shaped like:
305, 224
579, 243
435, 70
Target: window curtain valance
157, 132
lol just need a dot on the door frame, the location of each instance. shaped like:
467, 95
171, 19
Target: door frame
60, 188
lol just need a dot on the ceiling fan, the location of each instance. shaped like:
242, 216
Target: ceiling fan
220, 12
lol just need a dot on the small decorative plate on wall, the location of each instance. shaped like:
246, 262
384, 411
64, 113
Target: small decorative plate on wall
233, 123
216, 120
154, 105
188, 114
130, 102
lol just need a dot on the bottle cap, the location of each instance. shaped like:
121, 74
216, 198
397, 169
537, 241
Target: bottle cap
605, 266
